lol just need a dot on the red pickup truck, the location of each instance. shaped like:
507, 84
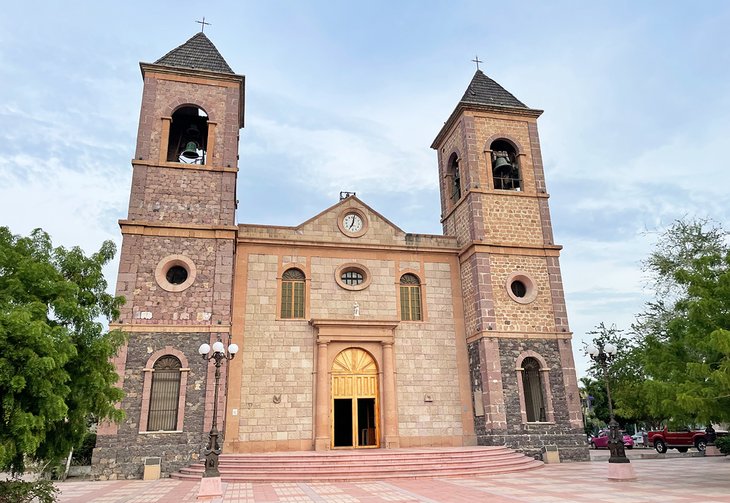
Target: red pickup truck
681, 440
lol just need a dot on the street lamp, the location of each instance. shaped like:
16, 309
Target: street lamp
218, 355
603, 355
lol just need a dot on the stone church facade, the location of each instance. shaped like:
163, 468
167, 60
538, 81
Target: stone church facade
353, 333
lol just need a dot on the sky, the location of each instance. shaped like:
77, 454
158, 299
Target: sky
345, 95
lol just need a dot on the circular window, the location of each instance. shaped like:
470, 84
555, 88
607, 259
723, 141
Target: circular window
352, 276
175, 273
521, 288
518, 288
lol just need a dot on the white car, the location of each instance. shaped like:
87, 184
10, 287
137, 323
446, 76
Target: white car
638, 438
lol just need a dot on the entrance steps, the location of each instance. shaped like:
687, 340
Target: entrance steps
357, 465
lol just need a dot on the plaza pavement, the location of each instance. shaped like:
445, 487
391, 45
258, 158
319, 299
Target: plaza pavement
675, 480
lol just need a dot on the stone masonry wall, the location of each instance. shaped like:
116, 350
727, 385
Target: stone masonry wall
477, 386
425, 353
207, 300
531, 437
277, 359
277, 354
512, 220
122, 455
511, 316
182, 195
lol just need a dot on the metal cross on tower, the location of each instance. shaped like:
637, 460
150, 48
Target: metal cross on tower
203, 24
475, 60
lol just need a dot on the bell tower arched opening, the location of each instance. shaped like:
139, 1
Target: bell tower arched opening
188, 136
505, 168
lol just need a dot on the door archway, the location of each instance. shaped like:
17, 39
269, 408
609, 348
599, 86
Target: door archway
354, 407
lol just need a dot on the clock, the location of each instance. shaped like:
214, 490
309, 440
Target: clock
352, 223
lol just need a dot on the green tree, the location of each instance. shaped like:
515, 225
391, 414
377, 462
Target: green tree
593, 392
625, 376
684, 333
55, 370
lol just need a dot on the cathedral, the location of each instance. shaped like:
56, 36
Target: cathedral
351, 332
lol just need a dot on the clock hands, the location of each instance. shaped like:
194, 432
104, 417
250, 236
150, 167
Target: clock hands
352, 223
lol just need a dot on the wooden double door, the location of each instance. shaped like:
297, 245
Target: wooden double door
354, 408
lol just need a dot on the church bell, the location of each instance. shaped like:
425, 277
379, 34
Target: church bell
190, 151
502, 162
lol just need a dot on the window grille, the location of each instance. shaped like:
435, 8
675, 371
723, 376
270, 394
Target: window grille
292, 294
410, 298
532, 384
352, 278
165, 395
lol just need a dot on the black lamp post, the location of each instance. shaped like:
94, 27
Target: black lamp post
603, 356
213, 450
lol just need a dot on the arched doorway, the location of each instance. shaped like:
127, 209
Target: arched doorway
354, 409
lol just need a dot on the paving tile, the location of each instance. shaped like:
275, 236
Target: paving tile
677, 480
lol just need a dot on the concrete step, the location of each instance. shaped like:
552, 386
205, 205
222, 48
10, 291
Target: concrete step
376, 464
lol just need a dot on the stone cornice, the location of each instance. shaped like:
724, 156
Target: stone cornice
354, 329
147, 228
509, 249
168, 328
494, 334
449, 250
179, 165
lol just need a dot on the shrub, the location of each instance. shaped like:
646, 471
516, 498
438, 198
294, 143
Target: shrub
723, 443
82, 455
20, 491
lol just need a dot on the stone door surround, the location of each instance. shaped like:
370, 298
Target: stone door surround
377, 338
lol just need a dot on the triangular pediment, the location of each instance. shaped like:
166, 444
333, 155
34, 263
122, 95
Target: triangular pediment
349, 223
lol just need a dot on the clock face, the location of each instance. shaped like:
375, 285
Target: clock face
352, 222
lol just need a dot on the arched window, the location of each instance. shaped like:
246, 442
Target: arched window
505, 168
188, 136
410, 298
533, 391
165, 395
455, 178
292, 294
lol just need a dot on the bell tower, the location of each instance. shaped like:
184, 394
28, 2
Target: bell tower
495, 202
176, 261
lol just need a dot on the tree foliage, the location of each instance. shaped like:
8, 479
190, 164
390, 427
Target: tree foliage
55, 372
683, 336
625, 376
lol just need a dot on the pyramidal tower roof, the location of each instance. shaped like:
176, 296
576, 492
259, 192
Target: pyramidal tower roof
484, 94
484, 91
198, 53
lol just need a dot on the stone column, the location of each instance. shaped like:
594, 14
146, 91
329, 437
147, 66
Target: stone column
321, 420
390, 418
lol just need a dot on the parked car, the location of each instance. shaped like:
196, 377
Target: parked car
638, 438
600, 441
680, 439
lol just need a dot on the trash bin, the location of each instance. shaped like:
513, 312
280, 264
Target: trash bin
151, 468
550, 454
